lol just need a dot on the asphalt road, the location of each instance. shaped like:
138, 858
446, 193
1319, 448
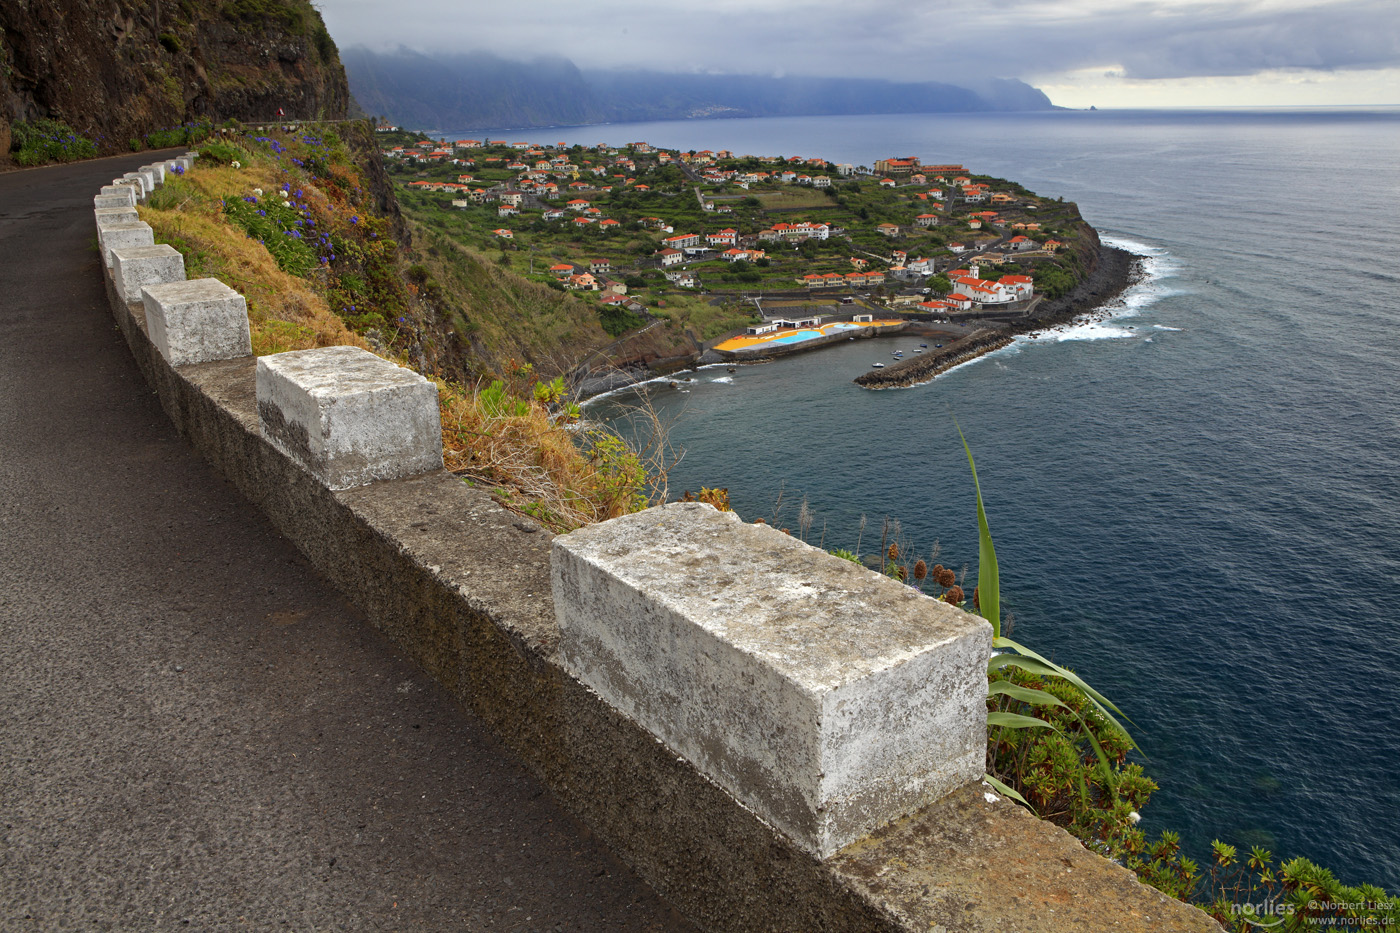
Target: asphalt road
196, 732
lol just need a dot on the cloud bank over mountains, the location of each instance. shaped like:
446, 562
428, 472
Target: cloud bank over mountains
944, 41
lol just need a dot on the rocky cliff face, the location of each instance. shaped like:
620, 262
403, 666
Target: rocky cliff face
117, 69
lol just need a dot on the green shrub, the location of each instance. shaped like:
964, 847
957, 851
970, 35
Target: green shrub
40, 141
170, 41
217, 153
278, 229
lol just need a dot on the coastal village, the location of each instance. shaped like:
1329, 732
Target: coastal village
732, 245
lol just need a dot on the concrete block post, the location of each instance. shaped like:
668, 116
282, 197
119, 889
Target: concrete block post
197, 321
348, 416
157, 170
124, 236
826, 698
102, 201
123, 191
149, 174
134, 185
134, 267
109, 216
138, 179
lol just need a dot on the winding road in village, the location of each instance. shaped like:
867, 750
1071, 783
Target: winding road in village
195, 729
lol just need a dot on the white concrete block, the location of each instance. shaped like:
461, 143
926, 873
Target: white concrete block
121, 236
100, 201
135, 267
123, 191
157, 170
149, 175
108, 216
138, 178
134, 185
196, 321
828, 699
349, 416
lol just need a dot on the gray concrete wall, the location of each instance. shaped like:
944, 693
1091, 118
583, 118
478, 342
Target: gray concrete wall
463, 586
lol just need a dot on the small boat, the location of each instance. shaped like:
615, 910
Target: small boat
923, 346
938, 345
733, 370
879, 365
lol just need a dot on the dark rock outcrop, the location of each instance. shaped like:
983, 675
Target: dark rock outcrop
115, 70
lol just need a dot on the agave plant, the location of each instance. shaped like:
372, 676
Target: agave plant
1012, 654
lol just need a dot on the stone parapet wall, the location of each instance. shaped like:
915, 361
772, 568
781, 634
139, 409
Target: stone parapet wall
465, 588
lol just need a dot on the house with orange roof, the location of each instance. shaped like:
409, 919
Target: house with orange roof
669, 257
581, 222
561, 270
887, 183
887, 229
926, 220
504, 234
1020, 286
577, 204
1020, 244
582, 281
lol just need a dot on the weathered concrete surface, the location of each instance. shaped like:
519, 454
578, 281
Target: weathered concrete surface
109, 216
199, 732
110, 200
976, 863
197, 321
140, 179
122, 191
463, 588
348, 416
125, 236
828, 699
135, 267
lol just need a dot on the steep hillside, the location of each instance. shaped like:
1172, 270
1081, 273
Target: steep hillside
114, 70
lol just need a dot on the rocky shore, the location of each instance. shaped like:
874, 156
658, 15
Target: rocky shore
1114, 271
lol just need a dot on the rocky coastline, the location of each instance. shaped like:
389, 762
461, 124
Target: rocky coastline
1112, 272
1110, 276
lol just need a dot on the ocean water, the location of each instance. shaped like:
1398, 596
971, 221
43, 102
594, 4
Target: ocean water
1195, 496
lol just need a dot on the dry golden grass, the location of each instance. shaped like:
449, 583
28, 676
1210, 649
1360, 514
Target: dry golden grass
284, 312
536, 465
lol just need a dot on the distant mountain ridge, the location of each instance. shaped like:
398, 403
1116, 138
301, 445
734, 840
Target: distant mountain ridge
479, 89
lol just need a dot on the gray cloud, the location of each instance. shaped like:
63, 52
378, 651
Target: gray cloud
945, 39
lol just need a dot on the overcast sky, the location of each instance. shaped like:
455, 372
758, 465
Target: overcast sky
1110, 53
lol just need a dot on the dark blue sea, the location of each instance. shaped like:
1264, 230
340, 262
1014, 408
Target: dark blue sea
1195, 498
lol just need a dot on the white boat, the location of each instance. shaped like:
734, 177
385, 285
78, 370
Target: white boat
879, 365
